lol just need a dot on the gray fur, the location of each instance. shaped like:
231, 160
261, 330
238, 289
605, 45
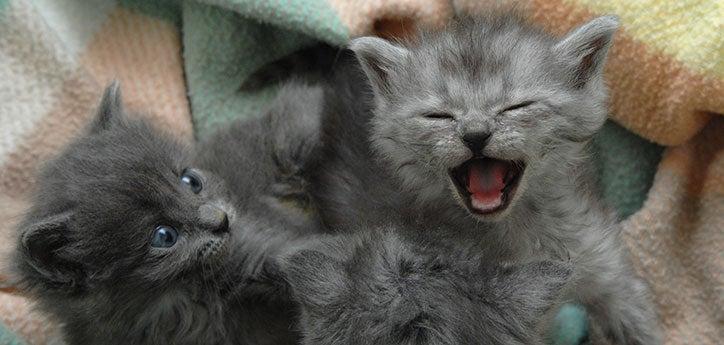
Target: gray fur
377, 287
473, 72
264, 162
395, 161
84, 247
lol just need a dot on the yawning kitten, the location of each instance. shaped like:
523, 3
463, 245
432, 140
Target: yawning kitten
377, 287
480, 132
128, 242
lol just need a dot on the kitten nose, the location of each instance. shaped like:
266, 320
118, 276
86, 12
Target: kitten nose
213, 219
476, 141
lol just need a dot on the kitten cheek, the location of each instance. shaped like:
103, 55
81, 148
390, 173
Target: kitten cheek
451, 152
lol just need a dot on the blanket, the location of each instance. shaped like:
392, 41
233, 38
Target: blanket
661, 158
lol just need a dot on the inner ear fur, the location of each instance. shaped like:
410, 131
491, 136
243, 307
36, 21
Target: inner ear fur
43, 243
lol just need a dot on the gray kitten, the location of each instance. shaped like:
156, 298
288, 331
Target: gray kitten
265, 162
480, 132
377, 287
129, 241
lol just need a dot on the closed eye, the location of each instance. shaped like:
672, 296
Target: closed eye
517, 106
439, 116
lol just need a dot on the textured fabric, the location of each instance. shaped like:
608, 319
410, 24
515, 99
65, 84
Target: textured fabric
569, 325
665, 74
678, 238
364, 17
626, 164
7, 337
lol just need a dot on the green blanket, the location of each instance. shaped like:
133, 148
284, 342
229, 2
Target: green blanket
7, 337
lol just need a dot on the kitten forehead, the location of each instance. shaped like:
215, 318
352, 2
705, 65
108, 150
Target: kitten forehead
133, 152
128, 167
480, 47
477, 63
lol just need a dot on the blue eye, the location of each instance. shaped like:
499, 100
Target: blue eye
192, 180
164, 237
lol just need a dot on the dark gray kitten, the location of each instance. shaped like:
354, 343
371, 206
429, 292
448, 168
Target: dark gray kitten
480, 132
265, 162
377, 287
128, 243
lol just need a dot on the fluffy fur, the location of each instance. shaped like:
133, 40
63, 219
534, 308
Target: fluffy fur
85, 253
377, 287
538, 100
265, 162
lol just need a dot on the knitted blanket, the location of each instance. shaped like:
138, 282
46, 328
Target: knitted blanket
661, 158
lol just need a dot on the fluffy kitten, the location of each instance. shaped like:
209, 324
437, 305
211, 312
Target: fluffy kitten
479, 134
377, 287
265, 162
128, 243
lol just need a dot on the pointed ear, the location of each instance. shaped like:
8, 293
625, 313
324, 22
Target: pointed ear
42, 243
110, 108
583, 51
316, 279
378, 58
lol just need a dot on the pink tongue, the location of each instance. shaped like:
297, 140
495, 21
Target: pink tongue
485, 183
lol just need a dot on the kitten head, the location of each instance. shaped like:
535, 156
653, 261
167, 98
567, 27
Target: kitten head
120, 207
380, 290
479, 111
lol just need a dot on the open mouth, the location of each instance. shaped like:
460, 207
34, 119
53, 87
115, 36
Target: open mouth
487, 185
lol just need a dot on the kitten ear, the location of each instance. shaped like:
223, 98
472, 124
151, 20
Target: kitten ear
110, 108
42, 242
534, 289
378, 58
316, 279
583, 51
